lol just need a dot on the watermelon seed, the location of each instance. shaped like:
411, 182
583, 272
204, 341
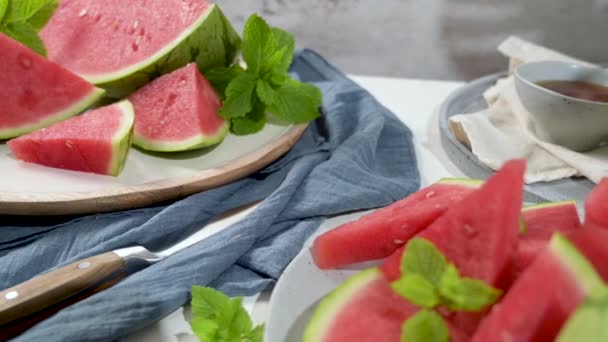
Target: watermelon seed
135, 24
25, 62
398, 242
68, 144
430, 194
470, 230
83, 12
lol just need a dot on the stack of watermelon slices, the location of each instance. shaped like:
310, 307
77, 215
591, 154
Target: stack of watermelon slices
482, 229
119, 49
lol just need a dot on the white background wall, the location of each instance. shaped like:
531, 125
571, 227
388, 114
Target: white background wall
441, 39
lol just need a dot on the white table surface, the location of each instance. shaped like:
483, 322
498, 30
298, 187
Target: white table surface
415, 102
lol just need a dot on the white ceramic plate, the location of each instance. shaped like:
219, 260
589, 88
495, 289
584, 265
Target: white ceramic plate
147, 178
301, 286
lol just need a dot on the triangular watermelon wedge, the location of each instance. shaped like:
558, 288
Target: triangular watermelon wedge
543, 298
37, 92
379, 234
596, 205
177, 112
97, 141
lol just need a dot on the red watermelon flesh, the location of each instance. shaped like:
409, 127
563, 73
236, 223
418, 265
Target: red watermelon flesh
97, 141
37, 92
543, 298
593, 243
124, 34
542, 221
596, 205
365, 309
379, 234
178, 111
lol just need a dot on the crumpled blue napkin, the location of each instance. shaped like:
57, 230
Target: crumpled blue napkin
357, 156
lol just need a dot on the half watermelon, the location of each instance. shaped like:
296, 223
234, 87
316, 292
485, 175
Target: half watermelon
380, 233
37, 92
535, 309
97, 141
177, 112
121, 46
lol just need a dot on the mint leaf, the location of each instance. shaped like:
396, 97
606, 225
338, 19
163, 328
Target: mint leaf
294, 103
287, 44
423, 258
426, 325
250, 123
588, 322
42, 16
466, 294
258, 43
239, 95
417, 290
3, 8
265, 92
220, 318
26, 35
221, 77
205, 329
22, 10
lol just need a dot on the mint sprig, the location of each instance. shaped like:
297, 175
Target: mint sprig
265, 85
429, 280
426, 325
218, 318
22, 20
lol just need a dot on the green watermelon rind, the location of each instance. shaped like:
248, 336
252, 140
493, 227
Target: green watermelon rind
210, 41
474, 183
549, 205
76, 108
121, 142
331, 305
574, 261
192, 143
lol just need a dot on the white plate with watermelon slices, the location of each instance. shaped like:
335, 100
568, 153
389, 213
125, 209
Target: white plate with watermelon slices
31, 189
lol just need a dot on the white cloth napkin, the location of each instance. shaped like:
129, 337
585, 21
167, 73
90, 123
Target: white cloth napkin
504, 130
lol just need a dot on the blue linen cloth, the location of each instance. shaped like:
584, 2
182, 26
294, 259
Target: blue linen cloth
358, 155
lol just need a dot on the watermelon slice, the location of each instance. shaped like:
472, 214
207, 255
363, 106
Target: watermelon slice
365, 309
121, 46
543, 220
97, 141
534, 309
596, 205
36, 92
380, 233
177, 112
592, 242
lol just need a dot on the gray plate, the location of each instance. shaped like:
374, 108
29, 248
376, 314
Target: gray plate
469, 99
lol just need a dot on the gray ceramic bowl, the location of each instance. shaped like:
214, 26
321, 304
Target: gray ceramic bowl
577, 124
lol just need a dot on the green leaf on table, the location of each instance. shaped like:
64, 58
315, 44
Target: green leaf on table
3, 8
296, 102
23, 10
40, 18
417, 290
26, 35
219, 318
466, 294
259, 43
221, 77
251, 122
239, 96
426, 325
423, 258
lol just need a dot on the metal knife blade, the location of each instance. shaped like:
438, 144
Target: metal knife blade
26, 304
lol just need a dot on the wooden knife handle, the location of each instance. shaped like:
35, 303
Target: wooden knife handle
51, 288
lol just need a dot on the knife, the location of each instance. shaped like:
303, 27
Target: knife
27, 303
